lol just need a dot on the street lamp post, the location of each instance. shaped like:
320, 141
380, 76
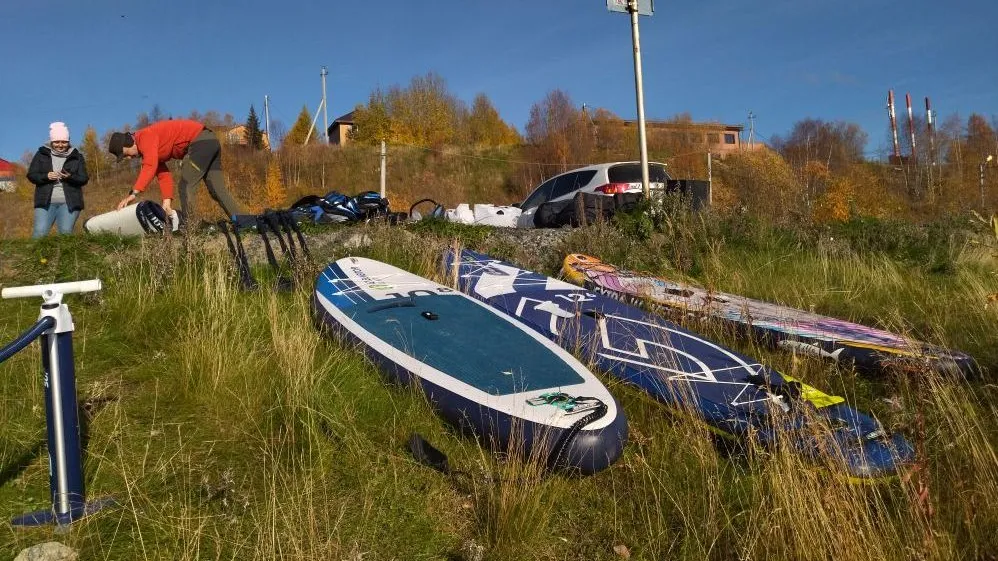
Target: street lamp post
981, 176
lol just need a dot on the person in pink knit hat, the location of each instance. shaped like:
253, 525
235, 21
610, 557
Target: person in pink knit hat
59, 174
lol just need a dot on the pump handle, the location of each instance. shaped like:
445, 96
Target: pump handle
46, 290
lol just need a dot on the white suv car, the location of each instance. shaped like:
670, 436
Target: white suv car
605, 179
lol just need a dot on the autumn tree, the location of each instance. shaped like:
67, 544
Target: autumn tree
425, 113
836, 144
762, 183
95, 157
422, 114
211, 119
980, 139
275, 194
559, 133
486, 127
965, 149
371, 123
254, 136
300, 130
613, 140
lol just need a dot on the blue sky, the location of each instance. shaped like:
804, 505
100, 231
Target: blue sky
101, 62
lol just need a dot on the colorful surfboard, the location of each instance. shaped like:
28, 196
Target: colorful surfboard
735, 395
781, 326
485, 372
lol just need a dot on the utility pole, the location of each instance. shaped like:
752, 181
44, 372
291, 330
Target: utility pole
325, 117
710, 179
266, 118
751, 134
983, 164
894, 126
632, 9
322, 104
384, 158
635, 8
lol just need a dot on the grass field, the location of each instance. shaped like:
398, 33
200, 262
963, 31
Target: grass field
226, 427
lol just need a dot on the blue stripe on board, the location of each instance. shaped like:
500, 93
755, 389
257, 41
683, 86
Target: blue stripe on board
336, 286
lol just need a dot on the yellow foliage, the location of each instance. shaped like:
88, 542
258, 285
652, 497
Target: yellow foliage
275, 193
857, 192
486, 127
723, 198
763, 183
835, 204
423, 114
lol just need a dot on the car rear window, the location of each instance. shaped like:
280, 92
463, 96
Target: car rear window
631, 173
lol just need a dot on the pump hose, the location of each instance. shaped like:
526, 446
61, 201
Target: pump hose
25, 339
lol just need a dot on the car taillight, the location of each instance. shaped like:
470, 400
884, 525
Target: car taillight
613, 188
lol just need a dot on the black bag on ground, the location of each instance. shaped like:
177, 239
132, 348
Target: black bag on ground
584, 209
551, 214
370, 204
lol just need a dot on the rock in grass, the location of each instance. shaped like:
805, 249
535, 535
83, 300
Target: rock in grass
622, 551
48, 551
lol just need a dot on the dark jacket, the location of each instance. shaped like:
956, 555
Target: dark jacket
72, 186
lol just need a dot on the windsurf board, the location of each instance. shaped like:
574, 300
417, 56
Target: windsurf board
734, 395
783, 327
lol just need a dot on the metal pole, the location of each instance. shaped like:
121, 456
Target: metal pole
632, 8
982, 184
710, 180
894, 124
322, 104
266, 116
325, 118
384, 158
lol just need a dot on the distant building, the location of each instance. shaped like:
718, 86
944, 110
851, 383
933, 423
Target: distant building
718, 138
339, 131
6, 176
236, 136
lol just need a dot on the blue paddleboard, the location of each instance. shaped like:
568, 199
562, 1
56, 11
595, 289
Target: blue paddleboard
735, 395
484, 371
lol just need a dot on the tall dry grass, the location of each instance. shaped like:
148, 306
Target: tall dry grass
233, 430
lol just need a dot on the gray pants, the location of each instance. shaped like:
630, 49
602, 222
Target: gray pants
203, 162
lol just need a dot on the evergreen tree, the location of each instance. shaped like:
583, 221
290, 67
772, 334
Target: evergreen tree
299, 131
254, 136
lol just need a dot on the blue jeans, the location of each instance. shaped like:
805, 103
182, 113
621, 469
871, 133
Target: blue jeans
58, 214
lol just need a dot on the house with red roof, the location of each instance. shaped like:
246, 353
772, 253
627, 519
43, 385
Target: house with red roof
6, 175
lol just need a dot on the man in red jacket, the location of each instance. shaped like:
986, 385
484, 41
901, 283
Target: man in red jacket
176, 139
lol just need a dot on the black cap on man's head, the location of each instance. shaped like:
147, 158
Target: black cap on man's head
118, 141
